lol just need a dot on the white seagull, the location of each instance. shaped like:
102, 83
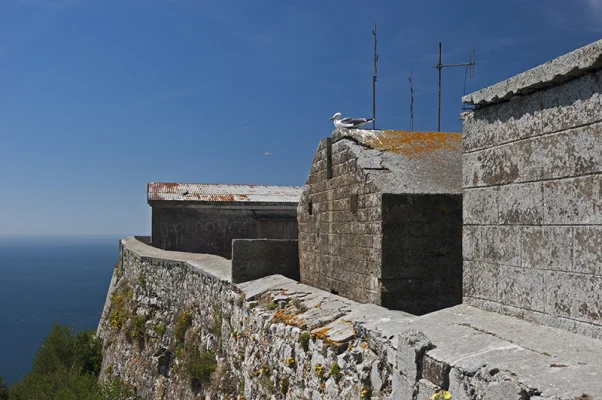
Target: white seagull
340, 122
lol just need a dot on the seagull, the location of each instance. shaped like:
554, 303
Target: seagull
341, 122
267, 154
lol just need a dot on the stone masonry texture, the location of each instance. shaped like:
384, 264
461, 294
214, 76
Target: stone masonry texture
174, 326
385, 228
201, 229
256, 258
532, 179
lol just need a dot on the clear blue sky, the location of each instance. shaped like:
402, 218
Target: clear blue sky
98, 97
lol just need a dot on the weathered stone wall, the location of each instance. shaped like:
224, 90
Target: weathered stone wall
198, 229
340, 250
421, 252
533, 197
257, 258
175, 327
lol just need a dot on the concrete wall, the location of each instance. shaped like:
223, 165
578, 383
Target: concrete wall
421, 252
533, 198
340, 250
256, 258
199, 229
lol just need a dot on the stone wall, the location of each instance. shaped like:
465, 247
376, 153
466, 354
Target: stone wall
201, 229
533, 195
175, 327
340, 250
257, 258
421, 252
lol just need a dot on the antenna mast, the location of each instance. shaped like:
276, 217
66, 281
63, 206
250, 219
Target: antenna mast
440, 66
374, 79
411, 104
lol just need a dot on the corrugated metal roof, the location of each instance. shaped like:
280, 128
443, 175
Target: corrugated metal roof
202, 192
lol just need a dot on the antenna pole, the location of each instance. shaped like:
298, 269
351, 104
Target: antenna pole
440, 66
374, 79
411, 104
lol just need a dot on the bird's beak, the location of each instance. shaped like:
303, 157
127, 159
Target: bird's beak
331, 118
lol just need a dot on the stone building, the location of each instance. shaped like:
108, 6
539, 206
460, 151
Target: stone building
532, 184
380, 219
204, 218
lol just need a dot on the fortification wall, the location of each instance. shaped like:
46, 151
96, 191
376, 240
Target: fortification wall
533, 195
175, 327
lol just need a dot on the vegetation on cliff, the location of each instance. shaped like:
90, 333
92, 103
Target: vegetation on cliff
66, 367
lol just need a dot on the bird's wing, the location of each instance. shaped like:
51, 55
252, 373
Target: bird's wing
353, 121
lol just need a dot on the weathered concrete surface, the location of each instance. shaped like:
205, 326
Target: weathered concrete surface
403, 253
552, 73
254, 333
532, 178
210, 229
256, 258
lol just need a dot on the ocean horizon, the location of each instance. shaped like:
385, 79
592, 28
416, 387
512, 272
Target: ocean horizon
47, 279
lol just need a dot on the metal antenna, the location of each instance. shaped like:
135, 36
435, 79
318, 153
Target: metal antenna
440, 66
374, 79
412, 91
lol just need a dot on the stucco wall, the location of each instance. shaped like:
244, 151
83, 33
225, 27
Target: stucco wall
211, 230
421, 252
339, 250
532, 183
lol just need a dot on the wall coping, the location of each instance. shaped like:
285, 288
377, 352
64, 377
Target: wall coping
564, 68
217, 266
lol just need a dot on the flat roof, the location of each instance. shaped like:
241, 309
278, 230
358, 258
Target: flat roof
564, 68
228, 193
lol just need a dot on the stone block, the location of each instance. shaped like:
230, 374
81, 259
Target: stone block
522, 288
471, 242
479, 206
521, 204
411, 347
436, 372
577, 102
480, 280
505, 390
573, 201
501, 244
587, 247
547, 247
426, 389
459, 385
502, 123
575, 296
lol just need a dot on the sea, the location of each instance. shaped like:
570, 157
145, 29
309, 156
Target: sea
45, 280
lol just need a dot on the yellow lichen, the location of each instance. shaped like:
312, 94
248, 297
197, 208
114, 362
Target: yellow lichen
441, 395
413, 144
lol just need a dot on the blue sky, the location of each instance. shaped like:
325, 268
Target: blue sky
99, 97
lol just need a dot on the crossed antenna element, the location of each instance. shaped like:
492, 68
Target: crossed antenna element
470, 67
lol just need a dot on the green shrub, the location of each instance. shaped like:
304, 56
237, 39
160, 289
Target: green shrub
271, 306
160, 329
198, 364
284, 385
183, 322
304, 340
335, 372
66, 367
3, 390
